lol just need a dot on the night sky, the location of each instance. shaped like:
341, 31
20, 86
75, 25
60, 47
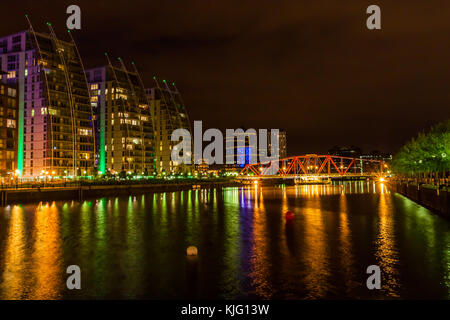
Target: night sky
311, 67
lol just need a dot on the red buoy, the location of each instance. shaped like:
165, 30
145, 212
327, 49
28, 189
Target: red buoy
289, 216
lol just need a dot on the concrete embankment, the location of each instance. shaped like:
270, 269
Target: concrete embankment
431, 198
26, 195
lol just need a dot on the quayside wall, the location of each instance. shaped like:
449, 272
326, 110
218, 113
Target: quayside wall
437, 200
79, 193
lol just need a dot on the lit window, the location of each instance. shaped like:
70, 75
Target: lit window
11, 123
84, 132
11, 75
94, 86
12, 92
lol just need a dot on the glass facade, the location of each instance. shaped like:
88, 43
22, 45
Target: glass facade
8, 131
124, 126
55, 127
169, 114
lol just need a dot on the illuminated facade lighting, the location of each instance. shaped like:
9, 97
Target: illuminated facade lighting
55, 127
169, 113
123, 121
8, 128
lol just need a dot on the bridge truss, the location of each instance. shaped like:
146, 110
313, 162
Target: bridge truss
317, 165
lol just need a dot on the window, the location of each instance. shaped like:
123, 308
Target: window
12, 92
11, 75
84, 132
97, 75
10, 123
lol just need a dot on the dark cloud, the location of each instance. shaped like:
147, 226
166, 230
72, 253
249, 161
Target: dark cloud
311, 67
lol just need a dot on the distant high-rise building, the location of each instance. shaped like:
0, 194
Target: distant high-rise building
282, 142
55, 126
9, 102
239, 149
123, 121
346, 151
169, 113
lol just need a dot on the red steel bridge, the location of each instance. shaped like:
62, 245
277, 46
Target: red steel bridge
316, 166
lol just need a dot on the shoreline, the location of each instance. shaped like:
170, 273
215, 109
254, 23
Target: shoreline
79, 193
437, 201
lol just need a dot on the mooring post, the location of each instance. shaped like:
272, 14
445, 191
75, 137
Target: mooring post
3, 198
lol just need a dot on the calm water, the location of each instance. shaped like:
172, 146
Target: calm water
135, 247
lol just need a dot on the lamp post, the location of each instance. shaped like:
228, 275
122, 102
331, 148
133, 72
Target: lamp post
16, 177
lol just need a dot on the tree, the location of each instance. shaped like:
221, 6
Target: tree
428, 153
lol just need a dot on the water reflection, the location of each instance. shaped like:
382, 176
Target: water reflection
260, 262
346, 255
386, 251
134, 247
46, 265
13, 285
